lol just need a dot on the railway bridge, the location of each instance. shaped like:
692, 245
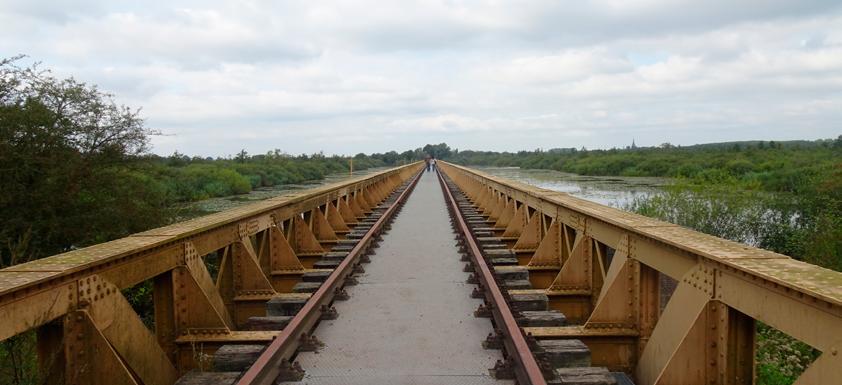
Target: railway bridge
414, 277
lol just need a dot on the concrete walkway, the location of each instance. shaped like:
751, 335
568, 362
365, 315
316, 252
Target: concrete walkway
409, 321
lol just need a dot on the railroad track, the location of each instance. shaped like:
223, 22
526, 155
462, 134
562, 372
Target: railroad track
511, 305
491, 266
297, 316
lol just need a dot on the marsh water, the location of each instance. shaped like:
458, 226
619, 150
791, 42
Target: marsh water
615, 191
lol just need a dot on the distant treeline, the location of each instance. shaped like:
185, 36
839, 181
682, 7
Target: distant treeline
773, 166
187, 179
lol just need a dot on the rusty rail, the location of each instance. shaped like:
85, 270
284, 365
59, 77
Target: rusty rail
526, 368
266, 368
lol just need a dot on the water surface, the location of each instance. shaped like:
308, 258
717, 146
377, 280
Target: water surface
615, 191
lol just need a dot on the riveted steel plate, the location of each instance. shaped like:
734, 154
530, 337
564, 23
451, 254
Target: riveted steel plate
804, 277
75, 259
706, 245
13, 279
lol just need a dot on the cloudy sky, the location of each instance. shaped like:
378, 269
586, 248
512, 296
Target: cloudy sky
371, 76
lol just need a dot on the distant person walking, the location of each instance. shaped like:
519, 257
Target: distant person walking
432, 164
429, 162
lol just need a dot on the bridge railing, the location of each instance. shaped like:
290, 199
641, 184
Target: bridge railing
87, 332
665, 303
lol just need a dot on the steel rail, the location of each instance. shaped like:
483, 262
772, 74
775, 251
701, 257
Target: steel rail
268, 366
526, 368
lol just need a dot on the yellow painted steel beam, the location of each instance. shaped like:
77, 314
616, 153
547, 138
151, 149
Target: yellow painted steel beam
706, 332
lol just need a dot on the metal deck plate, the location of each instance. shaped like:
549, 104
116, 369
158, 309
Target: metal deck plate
409, 321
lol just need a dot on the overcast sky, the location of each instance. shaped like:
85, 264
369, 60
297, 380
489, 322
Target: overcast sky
372, 76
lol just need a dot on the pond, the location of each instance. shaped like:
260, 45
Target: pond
615, 191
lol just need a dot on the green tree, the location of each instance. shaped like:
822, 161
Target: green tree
70, 175
439, 151
242, 156
68, 166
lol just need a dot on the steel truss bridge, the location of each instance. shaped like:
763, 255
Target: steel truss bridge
566, 291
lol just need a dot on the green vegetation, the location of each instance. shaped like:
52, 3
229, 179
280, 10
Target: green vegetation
186, 179
804, 223
68, 166
780, 358
778, 166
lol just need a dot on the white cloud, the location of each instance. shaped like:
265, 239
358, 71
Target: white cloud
357, 76
554, 68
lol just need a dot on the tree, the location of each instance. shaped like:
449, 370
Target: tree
391, 158
178, 159
439, 151
242, 156
68, 165
409, 156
